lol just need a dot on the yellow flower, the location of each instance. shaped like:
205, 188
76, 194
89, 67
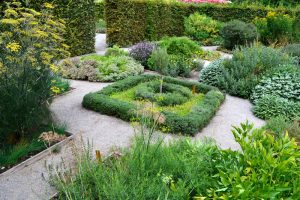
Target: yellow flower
46, 58
13, 46
10, 12
54, 68
271, 14
10, 22
55, 90
48, 5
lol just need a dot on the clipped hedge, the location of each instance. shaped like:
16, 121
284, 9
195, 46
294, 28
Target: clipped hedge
190, 124
80, 21
99, 10
132, 21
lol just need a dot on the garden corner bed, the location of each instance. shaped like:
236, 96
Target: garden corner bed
178, 106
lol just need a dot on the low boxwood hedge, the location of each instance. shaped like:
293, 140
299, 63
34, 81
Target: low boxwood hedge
189, 124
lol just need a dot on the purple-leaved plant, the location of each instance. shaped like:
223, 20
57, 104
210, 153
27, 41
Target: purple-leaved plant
142, 51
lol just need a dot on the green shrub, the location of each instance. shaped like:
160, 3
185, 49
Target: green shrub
203, 29
275, 28
115, 51
269, 106
293, 50
248, 66
181, 46
158, 60
189, 124
265, 167
117, 68
236, 33
210, 75
285, 85
26, 68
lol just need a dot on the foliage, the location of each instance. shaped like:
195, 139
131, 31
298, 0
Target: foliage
142, 51
184, 169
201, 112
208, 55
248, 66
26, 67
210, 75
115, 51
293, 50
117, 68
280, 125
236, 33
203, 29
59, 85
130, 22
285, 85
170, 65
181, 46
269, 106
77, 69
80, 22
100, 26
275, 28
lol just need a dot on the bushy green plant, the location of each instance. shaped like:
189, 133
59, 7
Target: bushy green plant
285, 85
117, 68
30, 42
203, 29
269, 106
210, 75
248, 66
169, 64
182, 46
115, 51
236, 33
266, 167
293, 50
275, 28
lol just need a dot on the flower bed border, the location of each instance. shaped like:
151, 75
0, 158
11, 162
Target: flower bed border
189, 124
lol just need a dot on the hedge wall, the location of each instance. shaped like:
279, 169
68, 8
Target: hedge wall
80, 22
99, 10
131, 21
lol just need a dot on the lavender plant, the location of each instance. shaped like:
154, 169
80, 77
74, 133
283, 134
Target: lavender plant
142, 51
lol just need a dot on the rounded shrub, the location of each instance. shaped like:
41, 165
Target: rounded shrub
180, 46
210, 74
269, 106
236, 32
285, 85
203, 29
142, 51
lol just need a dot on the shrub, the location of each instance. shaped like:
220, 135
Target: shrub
130, 22
185, 169
269, 106
285, 85
26, 67
203, 29
210, 75
293, 50
195, 119
170, 65
236, 33
77, 69
181, 46
142, 51
115, 51
248, 66
117, 68
275, 28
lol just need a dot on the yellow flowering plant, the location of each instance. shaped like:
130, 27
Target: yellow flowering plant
275, 28
30, 44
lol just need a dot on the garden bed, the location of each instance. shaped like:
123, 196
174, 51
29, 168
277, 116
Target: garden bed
178, 106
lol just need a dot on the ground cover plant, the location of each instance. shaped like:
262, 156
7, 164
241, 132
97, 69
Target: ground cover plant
179, 106
183, 169
115, 65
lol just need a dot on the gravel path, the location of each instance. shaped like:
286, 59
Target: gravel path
105, 132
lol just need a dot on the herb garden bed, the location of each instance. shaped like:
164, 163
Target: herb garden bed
178, 106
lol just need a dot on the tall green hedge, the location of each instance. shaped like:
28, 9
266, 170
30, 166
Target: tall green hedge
131, 21
80, 21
